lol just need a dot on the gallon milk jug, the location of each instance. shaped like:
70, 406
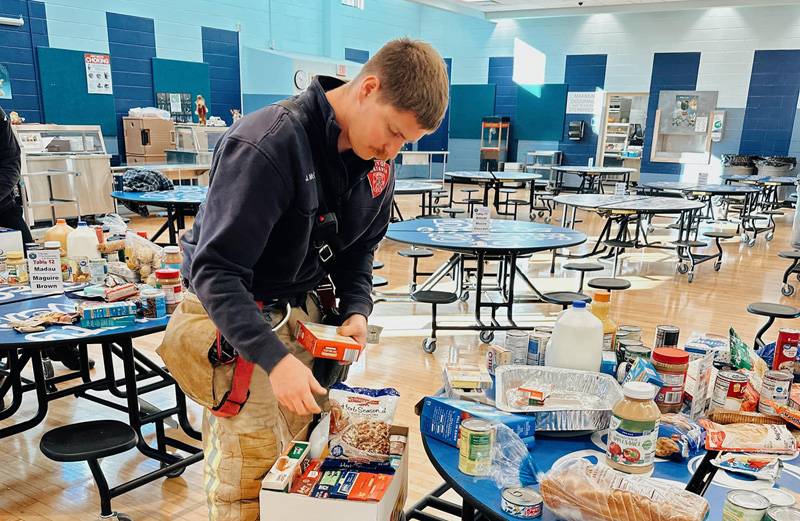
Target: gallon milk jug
59, 233
82, 243
577, 341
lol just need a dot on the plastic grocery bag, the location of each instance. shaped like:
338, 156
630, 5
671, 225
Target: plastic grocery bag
576, 490
512, 464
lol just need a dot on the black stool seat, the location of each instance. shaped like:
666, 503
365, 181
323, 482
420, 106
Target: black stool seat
769, 309
378, 281
614, 243
518, 201
689, 244
377, 265
771, 212
609, 284
566, 298
473, 200
546, 197
508, 190
440, 192
416, 252
468, 190
434, 297
88, 440
583, 266
453, 211
789, 254
720, 235
436, 206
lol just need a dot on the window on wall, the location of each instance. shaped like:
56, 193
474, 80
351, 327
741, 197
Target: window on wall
358, 4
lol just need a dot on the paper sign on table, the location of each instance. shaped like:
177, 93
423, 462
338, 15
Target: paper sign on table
619, 188
702, 178
44, 269
481, 219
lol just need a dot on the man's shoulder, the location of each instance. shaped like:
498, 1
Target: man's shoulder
267, 129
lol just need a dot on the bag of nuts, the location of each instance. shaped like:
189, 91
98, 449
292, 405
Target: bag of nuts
360, 422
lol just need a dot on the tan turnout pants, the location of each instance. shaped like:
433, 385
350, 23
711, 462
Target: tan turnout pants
239, 451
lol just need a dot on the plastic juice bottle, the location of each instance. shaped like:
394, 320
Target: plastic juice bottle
601, 305
59, 233
82, 243
577, 341
633, 432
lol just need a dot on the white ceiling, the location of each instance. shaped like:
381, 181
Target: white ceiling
499, 9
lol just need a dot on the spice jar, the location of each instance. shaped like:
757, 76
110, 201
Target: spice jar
169, 280
17, 268
154, 304
671, 365
172, 257
3, 259
633, 431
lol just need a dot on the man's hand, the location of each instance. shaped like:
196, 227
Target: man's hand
355, 326
293, 385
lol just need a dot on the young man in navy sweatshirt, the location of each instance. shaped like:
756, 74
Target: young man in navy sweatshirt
275, 177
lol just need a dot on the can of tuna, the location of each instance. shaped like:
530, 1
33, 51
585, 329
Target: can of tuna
666, 336
728, 391
517, 343
775, 387
631, 332
521, 502
777, 497
744, 505
475, 447
782, 514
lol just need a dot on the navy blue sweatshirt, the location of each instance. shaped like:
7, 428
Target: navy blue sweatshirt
9, 162
251, 239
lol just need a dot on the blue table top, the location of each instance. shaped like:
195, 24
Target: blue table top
695, 187
187, 195
64, 334
633, 203
494, 176
12, 294
584, 169
410, 186
760, 179
504, 236
548, 451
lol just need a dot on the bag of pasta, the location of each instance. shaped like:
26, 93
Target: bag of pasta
360, 422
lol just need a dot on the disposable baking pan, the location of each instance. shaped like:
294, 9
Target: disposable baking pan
578, 401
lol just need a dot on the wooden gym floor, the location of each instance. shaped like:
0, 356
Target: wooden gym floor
34, 488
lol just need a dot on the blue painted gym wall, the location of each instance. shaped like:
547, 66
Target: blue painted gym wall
18, 55
582, 73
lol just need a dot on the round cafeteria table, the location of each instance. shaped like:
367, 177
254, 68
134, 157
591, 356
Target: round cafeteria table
504, 241
591, 176
705, 192
21, 348
414, 187
178, 203
484, 496
494, 180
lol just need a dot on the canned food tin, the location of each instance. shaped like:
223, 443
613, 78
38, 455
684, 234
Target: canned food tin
522, 502
517, 342
777, 497
666, 336
631, 332
98, 269
619, 336
782, 514
537, 346
475, 447
744, 505
631, 350
728, 390
786, 347
775, 387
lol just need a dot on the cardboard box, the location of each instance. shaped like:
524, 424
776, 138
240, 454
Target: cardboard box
278, 506
148, 136
148, 159
10, 240
441, 418
324, 342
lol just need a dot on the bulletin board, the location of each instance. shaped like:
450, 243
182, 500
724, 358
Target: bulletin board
468, 105
540, 112
65, 96
182, 76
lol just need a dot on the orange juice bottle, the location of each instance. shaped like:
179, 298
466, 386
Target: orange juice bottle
601, 304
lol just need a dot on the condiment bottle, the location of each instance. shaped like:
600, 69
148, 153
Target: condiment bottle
601, 304
169, 280
633, 432
172, 257
671, 365
17, 268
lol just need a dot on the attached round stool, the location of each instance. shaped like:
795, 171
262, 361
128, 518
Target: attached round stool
609, 284
377, 265
378, 281
415, 254
583, 268
452, 212
772, 311
565, 298
434, 298
90, 441
793, 255
517, 203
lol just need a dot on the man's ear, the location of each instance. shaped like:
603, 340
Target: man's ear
369, 87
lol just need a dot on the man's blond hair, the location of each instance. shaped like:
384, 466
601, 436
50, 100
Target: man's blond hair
413, 78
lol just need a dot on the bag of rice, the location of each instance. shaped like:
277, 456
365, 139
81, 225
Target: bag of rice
360, 422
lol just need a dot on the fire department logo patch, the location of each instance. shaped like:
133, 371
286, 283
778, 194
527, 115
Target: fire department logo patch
379, 178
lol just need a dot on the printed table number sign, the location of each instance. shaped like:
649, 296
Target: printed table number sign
44, 268
619, 189
481, 219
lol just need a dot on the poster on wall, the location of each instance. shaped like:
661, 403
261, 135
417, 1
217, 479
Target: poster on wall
581, 102
98, 73
5, 83
684, 114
